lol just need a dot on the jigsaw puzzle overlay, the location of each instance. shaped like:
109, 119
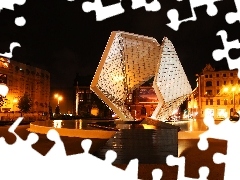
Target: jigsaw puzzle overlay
9, 4
19, 21
219, 54
11, 156
22, 151
103, 13
174, 16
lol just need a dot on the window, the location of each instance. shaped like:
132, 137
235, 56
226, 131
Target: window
218, 101
217, 75
231, 74
224, 82
206, 101
225, 101
210, 76
231, 101
217, 83
209, 92
211, 101
218, 91
208, 83
206, 76
224, 75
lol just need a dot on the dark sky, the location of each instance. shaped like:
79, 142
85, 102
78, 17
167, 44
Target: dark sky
61, 38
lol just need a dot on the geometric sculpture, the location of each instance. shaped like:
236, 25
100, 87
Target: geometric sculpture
170, 83
128, 61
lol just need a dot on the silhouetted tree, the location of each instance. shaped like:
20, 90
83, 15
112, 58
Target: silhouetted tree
57, 110
24, 104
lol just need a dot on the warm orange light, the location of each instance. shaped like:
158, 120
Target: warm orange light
15, 100
225, 89
58, 97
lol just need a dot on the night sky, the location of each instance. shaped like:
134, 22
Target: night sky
60, 37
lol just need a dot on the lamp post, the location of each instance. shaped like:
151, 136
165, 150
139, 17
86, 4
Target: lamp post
15, 100
199, 93
232, 89
58, 97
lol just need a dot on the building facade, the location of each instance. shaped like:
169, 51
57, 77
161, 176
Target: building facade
86, 101
217, 93
141, 102
22, 78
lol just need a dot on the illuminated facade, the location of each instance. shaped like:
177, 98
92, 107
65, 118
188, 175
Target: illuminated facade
209, 95
86, 101
20, 79
128, 61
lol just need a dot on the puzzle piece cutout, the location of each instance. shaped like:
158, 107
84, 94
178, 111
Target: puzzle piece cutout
219, 54
102, 12
92, 162
157, 174
232, 17
9, 4
229, 131
12, 46
180, 162
173, 14
56, 163
153, 6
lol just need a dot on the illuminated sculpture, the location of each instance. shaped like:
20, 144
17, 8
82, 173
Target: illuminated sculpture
128, 61
170, 83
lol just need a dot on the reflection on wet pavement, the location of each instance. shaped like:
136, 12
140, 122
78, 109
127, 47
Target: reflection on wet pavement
191, 125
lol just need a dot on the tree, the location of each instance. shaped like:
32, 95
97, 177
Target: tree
25, 103
57, 110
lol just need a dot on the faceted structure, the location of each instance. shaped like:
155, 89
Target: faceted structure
170, 83
128, 61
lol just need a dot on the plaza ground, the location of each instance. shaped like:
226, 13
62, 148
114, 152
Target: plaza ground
195, 158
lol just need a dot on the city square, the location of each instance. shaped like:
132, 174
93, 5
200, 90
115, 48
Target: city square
155, 84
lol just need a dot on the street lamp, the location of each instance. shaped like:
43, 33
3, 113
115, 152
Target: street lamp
58, 97
15, 100
232, 89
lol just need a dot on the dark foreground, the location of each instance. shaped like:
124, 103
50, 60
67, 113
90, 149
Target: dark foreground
195, 158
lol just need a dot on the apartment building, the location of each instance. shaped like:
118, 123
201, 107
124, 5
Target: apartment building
217, 93
22, 78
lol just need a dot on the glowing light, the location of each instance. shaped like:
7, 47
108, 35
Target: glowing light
58, 97
3, 89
